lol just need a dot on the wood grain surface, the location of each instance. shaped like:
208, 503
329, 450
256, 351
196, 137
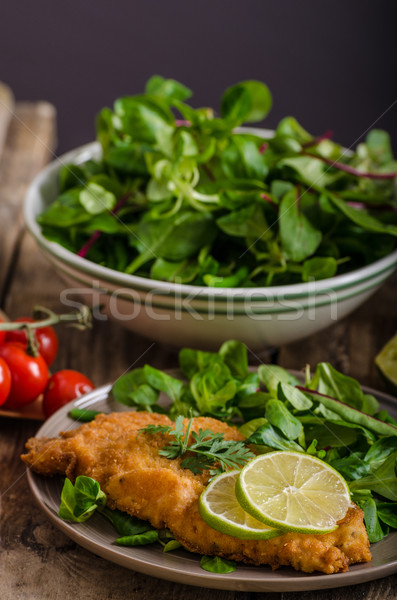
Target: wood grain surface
37, 562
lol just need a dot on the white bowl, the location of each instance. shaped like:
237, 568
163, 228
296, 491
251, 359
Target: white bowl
201, 317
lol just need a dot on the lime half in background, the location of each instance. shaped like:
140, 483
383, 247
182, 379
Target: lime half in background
386, 361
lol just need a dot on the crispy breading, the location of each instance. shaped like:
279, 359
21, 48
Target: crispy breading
139, 481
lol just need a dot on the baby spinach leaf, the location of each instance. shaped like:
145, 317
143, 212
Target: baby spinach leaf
387, 512
352, 466
362, 217
289, 393
374, 529
139, 539
97, 199
248, 101
248, 221
80, 501
168, 89
172, 545
380, 450
319, 268
299, 239
125, 524
133, 389
271, 375
266, 435
333, 383
83, 414
216, 564
213, 388
383, 480
162, 382
234, 355
191, 361
332, 435
279, 416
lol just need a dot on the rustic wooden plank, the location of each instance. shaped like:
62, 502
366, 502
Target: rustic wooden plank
29, 144
6, 112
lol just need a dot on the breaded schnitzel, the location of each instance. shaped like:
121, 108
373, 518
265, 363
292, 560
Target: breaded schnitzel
137, 480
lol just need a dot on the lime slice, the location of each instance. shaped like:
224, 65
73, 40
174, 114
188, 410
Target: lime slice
219, 508
386, 361
293, 491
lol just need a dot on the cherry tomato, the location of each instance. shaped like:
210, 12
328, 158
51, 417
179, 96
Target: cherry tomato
2, 333
29, 374
5, 381
45, 336
64, 386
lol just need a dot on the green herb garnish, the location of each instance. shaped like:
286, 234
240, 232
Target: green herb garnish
208, 450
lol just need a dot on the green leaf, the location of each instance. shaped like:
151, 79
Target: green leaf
387, 512
279, 416
95, 199
212, 389
249, 101
79, 501
191, 361
140, 539
319, 268
289, 393
271, 375
168, 89
242, 159
342, 387
352, 466
381, 450
175, 239
83, 414
290, 127
125, 524
234, 355
374, 529
383, 480
362, 217
133, 389
246, 222
146, 119
299, 239
266, 435
216, 564
164, 383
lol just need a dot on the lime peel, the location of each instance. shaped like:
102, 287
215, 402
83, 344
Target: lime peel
220, 509
292, 491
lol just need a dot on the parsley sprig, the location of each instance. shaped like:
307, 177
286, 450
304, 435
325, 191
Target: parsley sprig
208, 450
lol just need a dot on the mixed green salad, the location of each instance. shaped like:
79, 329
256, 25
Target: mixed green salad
326, 415
183, 195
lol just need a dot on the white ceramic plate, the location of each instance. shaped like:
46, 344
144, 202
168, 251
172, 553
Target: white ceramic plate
181, 566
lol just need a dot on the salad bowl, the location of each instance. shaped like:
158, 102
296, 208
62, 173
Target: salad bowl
191, 315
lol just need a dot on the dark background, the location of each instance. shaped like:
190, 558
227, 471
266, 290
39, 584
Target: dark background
330, 64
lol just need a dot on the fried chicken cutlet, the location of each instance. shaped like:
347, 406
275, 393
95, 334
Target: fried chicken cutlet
137, 480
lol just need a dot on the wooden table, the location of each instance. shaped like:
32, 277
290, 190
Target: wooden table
36, 560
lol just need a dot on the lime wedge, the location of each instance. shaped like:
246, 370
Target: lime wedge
219, 508
386, 361
293, 491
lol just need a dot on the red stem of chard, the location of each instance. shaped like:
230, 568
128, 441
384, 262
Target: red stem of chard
349, 169
97, 234
326, 136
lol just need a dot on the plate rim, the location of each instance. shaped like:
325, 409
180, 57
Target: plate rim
240, 580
